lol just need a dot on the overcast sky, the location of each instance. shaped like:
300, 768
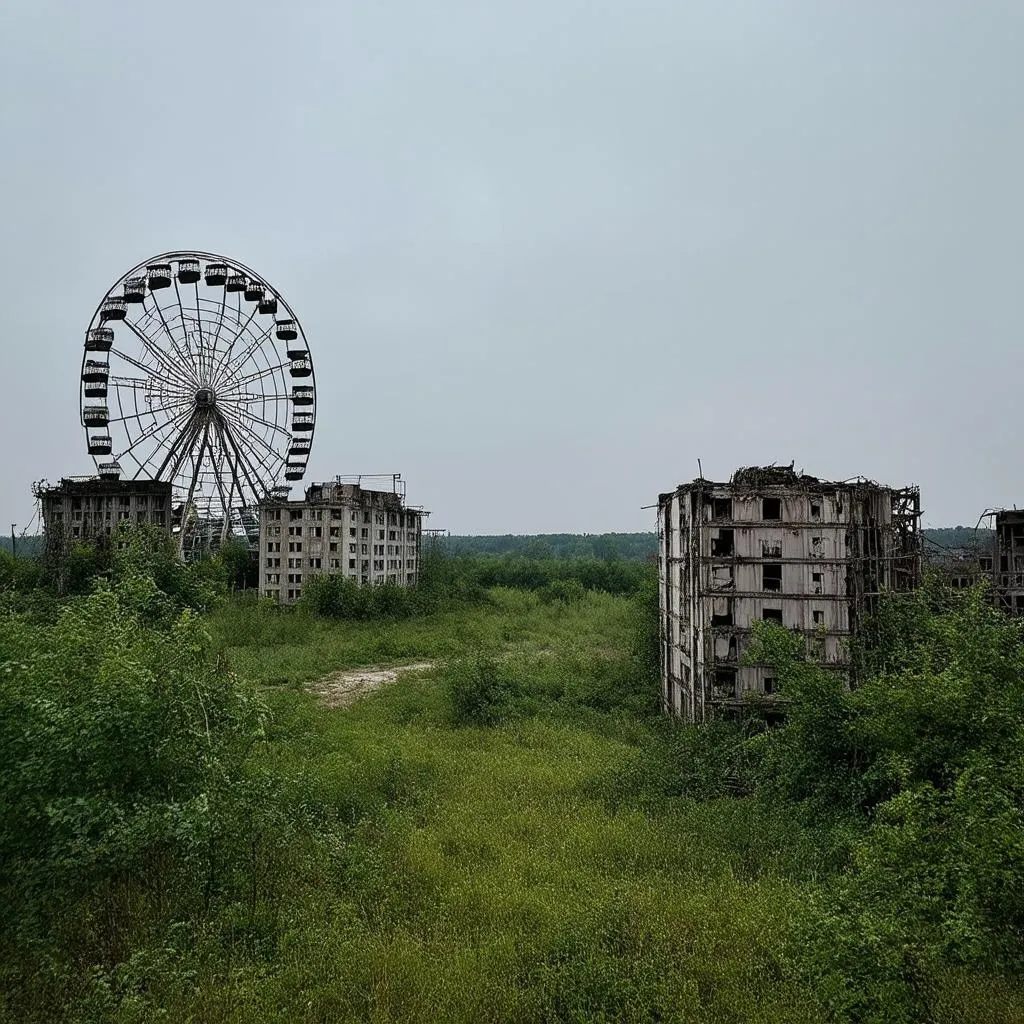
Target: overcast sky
547, 253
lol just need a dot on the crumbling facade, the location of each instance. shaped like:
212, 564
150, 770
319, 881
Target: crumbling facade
772, 545
88, 509
369, 536
1007, 561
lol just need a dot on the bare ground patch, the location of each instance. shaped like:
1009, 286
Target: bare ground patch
339, 689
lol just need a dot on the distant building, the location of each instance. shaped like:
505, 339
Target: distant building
89, 508
368, 536
772, 545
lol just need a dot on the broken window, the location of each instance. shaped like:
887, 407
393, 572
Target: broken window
723, 544
772, 615
771, 508
769, 684
815, 508
721, 612
721, 508
771, 549
725, 682
721, 577
986, 564
818, 617
816, 578
771, 576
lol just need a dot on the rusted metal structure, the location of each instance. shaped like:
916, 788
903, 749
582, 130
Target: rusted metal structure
341, 528
775, 545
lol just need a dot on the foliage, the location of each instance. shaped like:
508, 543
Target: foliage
923, 762
123, 739
603, 546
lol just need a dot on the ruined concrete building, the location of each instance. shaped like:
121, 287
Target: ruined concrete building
774, 545
1006, 562
87, 509
369, 536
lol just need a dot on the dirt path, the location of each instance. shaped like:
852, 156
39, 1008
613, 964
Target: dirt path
340, 689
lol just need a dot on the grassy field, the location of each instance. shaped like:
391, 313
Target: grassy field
533, 869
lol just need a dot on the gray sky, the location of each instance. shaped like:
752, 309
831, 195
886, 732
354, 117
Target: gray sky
547, 253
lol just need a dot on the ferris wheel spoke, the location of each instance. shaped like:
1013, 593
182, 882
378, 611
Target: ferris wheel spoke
260, 375
193, 357
252, 435
152, 432
199, 327
149, 412
243, 466
167, 330
225, 459
179, 445
149, 369
228, 369
160, 356
249, 398
235, 336
150, 385
218, 479
197, 466
243, 439
220, 317
263, 422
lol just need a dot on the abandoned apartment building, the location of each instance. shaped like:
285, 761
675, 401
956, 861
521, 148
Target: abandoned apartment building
88, 508
369, 536
778, 546
1004, 564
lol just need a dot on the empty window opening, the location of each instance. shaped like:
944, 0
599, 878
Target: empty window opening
771, 508
1018, 602
723, 544
816, 578
818, 617
771, 549
815, 509
771, 576
722, 618
772, 615
725, 682
986, 564
721, 508
769, 684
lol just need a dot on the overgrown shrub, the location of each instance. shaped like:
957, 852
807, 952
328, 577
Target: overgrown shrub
125, 805
480, 690
922, 762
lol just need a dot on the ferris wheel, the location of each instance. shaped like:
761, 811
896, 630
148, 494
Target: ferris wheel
196, 371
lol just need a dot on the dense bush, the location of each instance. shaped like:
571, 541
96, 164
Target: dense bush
919, 772
125, 804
